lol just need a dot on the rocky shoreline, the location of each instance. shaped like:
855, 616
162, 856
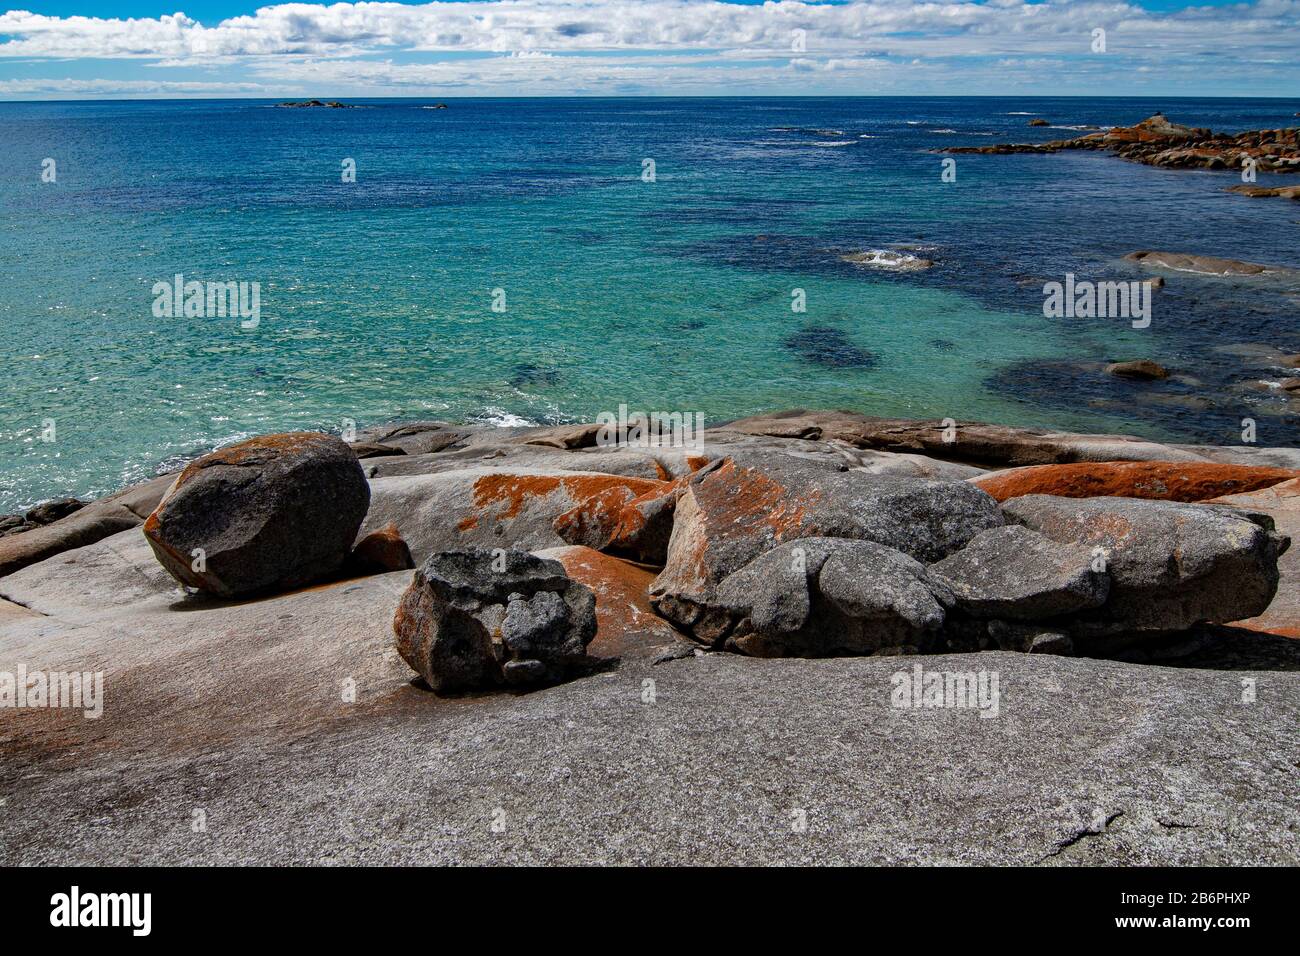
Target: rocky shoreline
1158, 142
427, 567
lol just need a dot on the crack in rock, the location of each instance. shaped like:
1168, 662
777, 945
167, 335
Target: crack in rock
1080, 835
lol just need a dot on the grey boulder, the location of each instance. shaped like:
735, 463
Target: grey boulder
738, 508
270, 513
1171, 565
1017, 574
476, 619
824, 597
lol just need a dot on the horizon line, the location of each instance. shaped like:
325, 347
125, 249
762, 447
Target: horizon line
664, 96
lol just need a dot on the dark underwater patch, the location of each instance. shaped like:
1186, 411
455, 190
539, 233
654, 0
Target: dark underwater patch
529, 374
829, 348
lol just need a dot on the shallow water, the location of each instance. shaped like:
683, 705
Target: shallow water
376, 296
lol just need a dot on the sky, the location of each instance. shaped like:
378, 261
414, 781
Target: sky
92, 49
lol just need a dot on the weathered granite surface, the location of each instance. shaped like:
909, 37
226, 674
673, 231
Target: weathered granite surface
290, 725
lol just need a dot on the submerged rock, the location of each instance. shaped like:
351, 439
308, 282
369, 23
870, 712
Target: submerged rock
1257, 192
889, 259
1204, 265
478, 618
273, 512
1171, 565
829, 348
1139, 368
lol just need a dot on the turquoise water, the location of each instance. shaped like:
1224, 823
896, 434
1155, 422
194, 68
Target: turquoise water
376, 296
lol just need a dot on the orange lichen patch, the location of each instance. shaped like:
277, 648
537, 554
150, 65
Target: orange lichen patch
468, 524
513, 491
1254, 625
625, 622
632, 517
1159, 480
696, 462
593, 521
253, 450
743, 498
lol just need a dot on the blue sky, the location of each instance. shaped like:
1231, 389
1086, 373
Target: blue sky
74, 49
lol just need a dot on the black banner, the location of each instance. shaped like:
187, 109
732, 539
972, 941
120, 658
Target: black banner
336, 905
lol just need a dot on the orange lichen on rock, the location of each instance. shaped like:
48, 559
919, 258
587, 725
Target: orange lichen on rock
745, 497
1160, 480
514, 491
252, 451
625, 621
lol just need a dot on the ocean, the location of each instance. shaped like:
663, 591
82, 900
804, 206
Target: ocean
542, 260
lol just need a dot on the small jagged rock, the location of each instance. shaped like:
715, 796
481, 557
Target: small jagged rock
479, 619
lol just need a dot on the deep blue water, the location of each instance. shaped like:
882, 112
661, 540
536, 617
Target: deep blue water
673, 295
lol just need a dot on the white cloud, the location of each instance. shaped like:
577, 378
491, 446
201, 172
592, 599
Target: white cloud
346, 29
668, 45
129, 87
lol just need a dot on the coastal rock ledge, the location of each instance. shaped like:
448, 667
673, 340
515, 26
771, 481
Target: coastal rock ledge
612, 644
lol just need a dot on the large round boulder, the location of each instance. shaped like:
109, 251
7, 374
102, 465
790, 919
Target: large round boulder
270, 513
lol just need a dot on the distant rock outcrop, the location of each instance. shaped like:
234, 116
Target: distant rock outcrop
309, 104
1158, 142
